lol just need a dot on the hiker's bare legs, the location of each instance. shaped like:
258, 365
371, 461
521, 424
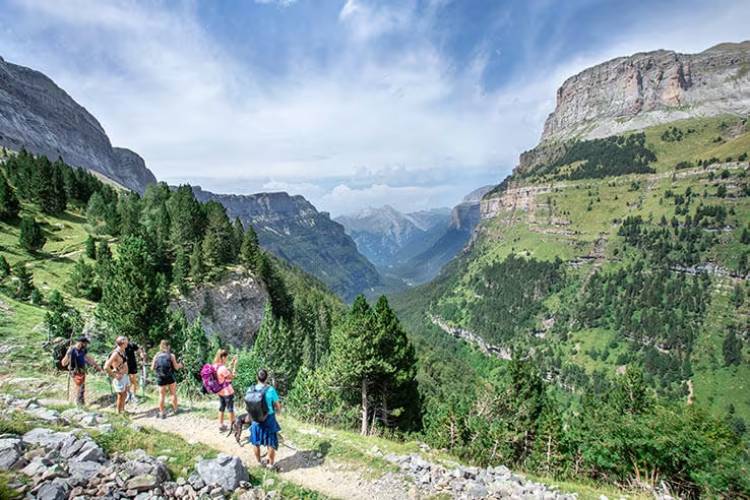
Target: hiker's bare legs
257, 453
231, 418
221, 419
121, 397
79, 391
271, 455
173, 390
162, 396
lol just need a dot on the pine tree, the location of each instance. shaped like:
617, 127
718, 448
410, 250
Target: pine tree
197, 269
398, 394
90, 247
191, 345
134, 298
61, 320
239, 235
103, 261
732, 349
59, 200
187, 218
23, 283
250, 249
9, 205
218, 242
354, 364
181, 270
96, 212
31, 238
4, 268
738, 295
83, 281
631, 394
129, 208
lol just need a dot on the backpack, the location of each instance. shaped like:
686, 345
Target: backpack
255, 403
210, 379
163, 366
59, 350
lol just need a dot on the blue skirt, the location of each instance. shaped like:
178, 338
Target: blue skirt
265, 433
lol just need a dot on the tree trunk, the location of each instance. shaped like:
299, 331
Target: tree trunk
365, 408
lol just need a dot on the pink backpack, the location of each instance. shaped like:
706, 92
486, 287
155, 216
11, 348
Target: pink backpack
210, 378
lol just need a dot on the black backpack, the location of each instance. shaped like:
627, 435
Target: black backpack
255, 403
59, 348
163, 365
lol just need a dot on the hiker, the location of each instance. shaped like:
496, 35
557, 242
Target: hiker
117, 368
75, 361
264, 430
164, 365
131, 351
225, 375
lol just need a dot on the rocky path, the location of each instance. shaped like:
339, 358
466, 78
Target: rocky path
306, 468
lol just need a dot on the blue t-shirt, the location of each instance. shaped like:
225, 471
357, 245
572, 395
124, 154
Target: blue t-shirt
271, 397
78, 359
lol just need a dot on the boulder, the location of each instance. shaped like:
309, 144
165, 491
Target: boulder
36, 467
53, 490
46, 438
89, 452
84, 470
224, 470
143, 482
10, 453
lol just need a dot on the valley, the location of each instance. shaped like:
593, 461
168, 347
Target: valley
585, 322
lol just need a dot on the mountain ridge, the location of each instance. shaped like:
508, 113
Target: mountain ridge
38, 115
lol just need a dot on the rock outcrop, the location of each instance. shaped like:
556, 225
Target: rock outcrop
231, 308
291, 228
39, 116
630, 93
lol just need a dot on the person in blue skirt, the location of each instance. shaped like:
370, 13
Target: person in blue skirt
266, 433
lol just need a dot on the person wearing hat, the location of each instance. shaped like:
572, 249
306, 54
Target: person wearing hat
75, 361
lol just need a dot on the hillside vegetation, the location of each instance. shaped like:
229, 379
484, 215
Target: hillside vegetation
621, 264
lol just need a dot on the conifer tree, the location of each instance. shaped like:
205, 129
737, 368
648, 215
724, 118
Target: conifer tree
83, 281
4, 268
218, 241
90, 247
239, 234
181, 270
31, 238
197, 269
96, 212
187, 218
61, 320
36, 297
129, 209
397, 384
23, 283
134, 298
354, 364
732, 349
250, 249
191, 345
9, 205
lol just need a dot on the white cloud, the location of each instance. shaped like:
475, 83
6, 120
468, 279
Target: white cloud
163, 86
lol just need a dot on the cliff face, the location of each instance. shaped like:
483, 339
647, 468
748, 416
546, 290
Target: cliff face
645, 89
291, 228
39, 116
232, 308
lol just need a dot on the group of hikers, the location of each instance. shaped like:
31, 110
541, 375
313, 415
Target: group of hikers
261, 400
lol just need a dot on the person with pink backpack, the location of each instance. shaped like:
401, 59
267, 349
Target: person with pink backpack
217, 379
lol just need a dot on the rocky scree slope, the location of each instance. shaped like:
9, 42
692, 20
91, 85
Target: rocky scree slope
291, 228
39, 116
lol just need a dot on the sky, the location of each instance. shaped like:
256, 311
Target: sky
351, 103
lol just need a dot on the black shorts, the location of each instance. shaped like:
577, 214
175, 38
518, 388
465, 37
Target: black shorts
226, 403
162, 381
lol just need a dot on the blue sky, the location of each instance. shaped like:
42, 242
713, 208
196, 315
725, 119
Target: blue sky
351, 103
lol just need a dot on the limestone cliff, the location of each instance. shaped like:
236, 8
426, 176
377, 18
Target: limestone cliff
39, 116
231, 308
630, 93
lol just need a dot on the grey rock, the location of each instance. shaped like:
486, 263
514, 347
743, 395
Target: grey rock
41, 117
85, 470
89, 452
225, 471
144, 482
475, 489
10, 453
53, 490
36, 467
630, 93
46, 438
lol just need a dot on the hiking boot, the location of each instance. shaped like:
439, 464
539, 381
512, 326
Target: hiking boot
223, 428
162, 415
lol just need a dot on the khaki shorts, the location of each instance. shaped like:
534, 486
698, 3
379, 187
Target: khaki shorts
120, 384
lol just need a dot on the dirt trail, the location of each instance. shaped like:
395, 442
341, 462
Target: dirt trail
306, 468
